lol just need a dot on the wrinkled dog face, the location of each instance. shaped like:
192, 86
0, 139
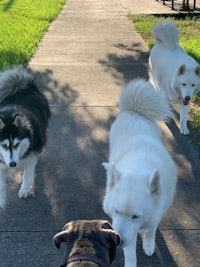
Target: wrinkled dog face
99, 230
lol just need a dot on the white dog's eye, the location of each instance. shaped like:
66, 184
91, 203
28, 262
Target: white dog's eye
193, 85
135, 217
183, 84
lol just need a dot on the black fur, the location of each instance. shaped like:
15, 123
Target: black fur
31, 108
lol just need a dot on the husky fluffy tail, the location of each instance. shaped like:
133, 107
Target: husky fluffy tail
166, 32
13, 80
141, 97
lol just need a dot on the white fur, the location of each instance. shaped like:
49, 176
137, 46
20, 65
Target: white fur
19, 148
172, 70
141, 176
28, 166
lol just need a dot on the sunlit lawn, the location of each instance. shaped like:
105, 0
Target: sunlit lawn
22, 25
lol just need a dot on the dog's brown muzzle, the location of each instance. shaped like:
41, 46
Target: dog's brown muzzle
81, 257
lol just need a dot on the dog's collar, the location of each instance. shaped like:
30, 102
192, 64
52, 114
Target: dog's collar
82, 257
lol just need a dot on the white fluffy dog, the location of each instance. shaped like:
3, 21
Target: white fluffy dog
172, 70
141, 176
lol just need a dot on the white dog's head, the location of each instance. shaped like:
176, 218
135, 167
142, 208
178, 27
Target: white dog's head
132, 200
188, 80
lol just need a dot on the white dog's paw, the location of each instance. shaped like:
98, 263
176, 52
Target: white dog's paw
148, 247
184, 131
24, 193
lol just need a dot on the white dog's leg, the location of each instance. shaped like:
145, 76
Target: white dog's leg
28, 178
184, 109
148, 241
130, 257
2, 188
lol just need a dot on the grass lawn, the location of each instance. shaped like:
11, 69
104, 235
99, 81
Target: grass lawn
23, 23
189, 28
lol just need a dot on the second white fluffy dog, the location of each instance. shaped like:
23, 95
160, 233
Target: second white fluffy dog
141, 176
172, 70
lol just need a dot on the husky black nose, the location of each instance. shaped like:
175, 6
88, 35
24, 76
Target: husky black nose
12, 164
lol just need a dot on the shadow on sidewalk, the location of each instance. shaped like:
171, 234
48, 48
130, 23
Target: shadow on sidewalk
70, 180
132, 64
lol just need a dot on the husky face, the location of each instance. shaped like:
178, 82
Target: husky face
12, 150
14, 141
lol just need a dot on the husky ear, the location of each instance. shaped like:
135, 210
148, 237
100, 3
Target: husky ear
154, 182
197, 70
182, 69
113, 175
17, 118
2, 124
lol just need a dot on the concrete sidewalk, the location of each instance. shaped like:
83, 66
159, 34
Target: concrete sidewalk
89, 52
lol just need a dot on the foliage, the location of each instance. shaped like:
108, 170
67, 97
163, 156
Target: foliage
23, 23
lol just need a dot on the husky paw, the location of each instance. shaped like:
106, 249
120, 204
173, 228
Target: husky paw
148, 247
24, 193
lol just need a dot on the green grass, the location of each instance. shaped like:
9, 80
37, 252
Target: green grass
189, 39
23, 23
189, 31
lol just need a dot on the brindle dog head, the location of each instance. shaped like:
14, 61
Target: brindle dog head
90, 237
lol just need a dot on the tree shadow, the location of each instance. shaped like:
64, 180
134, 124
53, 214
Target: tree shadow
131, 64
70, 180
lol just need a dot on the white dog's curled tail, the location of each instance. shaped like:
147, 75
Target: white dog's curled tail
13, 80
141, 97
166, 32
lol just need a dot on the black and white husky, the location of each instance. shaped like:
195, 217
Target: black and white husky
24, 115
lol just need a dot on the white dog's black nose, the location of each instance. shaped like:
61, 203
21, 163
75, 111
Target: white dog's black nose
187, 98
12, 164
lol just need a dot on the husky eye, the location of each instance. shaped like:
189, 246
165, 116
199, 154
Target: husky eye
183, 84
16, 145
135, 217
193, 85
4, 146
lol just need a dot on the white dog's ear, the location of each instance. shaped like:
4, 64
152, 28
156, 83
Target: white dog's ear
113, 174
182, 69
110, 167
106, 165
154, 182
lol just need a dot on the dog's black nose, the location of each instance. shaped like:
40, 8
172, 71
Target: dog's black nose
12, 164
187, 98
